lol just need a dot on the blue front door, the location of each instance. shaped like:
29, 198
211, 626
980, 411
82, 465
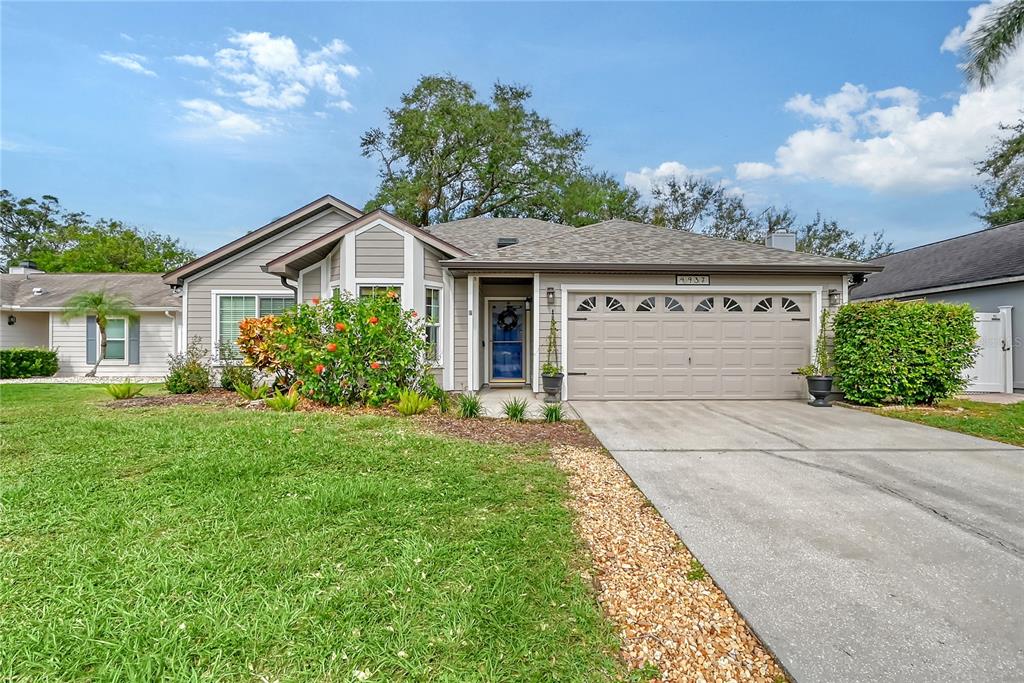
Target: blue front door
507, 322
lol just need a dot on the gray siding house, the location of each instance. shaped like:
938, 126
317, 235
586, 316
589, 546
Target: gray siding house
638, 312
984, 269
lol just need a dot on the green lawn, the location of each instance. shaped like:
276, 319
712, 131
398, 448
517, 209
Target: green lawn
198, 542
988, 420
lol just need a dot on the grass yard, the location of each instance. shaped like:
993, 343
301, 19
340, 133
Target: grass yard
995, 421
201, 542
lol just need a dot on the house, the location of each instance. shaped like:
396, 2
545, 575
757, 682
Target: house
984, 269
635, 311
32, 305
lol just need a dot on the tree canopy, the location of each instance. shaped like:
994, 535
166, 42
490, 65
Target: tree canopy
61, 240
1003, 187
446, 155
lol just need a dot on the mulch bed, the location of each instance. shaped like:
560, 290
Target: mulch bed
213, 396
683, 625
497, 430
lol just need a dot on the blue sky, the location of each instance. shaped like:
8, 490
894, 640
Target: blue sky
207, 120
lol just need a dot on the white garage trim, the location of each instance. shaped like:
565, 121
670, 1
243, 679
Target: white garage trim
813, 290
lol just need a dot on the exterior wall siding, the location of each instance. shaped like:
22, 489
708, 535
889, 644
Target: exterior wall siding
460, 352
244, 274
380, 253
32, 329
311, 285
988, 300
156, 342
431, 264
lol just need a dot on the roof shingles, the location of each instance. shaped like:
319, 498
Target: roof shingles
145, 290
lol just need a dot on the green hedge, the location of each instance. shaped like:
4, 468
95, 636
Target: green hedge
18, 363
903, 352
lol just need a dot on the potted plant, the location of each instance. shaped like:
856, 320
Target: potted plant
551, 374
819, 373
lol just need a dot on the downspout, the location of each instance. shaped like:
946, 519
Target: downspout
284, 283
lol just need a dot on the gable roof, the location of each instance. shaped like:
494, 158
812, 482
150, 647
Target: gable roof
288, 265
145, 290
978, 256
316, 207
622, 245
480, 235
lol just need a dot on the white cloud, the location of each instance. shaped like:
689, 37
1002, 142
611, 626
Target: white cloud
643, 179
271, 72
130, 61
125, 36
881, 140
193, 60
210, 119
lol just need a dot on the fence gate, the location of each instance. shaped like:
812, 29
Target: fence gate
991, 371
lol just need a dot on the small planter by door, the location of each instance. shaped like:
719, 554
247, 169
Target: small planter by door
552, 387
820, 387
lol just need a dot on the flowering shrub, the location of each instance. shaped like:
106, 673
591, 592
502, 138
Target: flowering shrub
343, 350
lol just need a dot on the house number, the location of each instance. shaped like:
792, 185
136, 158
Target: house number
693, 279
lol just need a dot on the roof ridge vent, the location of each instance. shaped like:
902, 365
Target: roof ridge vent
507, 242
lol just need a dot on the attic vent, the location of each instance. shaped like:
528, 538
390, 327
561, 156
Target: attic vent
37, 291
507, 241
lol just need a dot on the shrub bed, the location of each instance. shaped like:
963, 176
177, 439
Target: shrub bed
21, 363
903, 352
343, 350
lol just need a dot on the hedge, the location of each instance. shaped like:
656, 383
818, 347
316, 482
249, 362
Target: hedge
18, 363
903, 352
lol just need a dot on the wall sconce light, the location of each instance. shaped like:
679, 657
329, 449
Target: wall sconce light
527, 303
11, 320
835, 297
551, 296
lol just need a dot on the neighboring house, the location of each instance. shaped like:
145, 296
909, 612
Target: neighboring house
32, 306
641, 312
984, 269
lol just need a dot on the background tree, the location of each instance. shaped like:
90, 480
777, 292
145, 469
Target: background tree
589, 197
103, 305
446, 155
1003, 187
990, 45
59, 240
699, 204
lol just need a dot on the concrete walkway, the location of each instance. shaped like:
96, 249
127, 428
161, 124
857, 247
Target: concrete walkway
859, 548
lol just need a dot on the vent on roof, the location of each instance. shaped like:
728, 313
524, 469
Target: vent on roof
507, 241
37, 291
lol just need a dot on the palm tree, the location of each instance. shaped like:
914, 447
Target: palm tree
103, 306
994, 41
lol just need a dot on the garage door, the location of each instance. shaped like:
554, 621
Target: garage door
668, 346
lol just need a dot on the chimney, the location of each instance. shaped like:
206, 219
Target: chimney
781, 240
25, 268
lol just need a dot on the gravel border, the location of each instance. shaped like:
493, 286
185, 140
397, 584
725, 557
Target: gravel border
682, 625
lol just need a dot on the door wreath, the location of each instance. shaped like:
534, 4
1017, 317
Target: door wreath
508, 320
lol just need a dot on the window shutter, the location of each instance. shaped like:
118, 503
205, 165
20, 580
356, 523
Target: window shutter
90, 339
134, 334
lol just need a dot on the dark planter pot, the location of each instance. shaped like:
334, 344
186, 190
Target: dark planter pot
820, 388
552, 387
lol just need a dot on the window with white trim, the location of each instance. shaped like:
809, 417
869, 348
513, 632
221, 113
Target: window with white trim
380, 290
232, 309
117, 339
432, 324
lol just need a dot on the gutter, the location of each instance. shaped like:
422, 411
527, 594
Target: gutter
663, 267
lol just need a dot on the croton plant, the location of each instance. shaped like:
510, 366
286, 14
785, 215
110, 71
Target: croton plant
342, 350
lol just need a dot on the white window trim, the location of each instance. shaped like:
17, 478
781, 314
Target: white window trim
439, 361
127, 335
215, 312
359, 284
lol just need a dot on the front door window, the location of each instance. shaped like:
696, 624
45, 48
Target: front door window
507, 323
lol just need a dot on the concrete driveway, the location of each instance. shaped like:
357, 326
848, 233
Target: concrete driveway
859, 547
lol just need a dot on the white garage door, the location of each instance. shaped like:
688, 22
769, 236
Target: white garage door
668, 346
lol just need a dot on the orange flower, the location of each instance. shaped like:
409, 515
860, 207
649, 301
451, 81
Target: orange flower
375, 365
319, 369
340, 327
415, 314
392, 294
374, 320
315, 300
332, 347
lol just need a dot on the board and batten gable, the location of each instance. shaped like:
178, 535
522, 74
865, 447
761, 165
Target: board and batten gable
242, 273
156, 342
